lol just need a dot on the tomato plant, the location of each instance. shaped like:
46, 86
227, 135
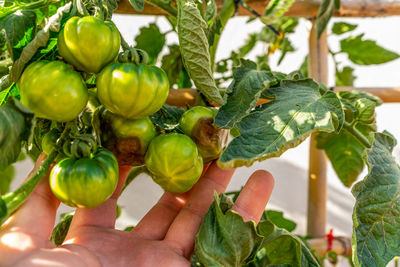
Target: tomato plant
72, 88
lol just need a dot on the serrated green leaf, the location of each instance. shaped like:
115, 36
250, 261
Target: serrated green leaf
366, 52
6, 177
299, 109
224, 239
167, 118
20, 28
61, 229
354, 95
277, 218
151, 40
243, 93
325, 13
137, 4
281, 248
12, 126
376, 214
343, 27
274, 10
195, 50
345, 77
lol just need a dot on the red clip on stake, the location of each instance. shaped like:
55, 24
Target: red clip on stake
330, 239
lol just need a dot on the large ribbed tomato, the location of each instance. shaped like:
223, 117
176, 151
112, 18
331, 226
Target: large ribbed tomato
174, 162
53, 90
132, 91
85, 182
89, 43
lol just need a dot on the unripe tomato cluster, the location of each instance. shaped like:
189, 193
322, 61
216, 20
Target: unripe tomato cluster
129, 93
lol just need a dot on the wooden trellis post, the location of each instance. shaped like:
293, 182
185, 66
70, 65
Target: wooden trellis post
317, 184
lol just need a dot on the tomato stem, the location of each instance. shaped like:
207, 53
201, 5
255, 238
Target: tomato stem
15, 199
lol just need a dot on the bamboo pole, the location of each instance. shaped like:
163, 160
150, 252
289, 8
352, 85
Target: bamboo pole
301, 8
317, 185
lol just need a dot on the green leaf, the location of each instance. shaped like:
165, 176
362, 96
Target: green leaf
277, 218
275, 10
298, 109
344, 151
3, 209
281, 248
137, 4
195, 50
12, 126
366, 52
325, 13
211, 11
243, 93
151, 40
343, 27
61, 229
304, 67
224, 239
167, 118
20, 28
129, 228
376, 224
345, 77
345, 154
12, 90
6, 177
172, 64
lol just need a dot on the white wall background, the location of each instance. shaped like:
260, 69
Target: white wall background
290, 170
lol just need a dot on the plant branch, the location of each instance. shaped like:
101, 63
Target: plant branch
357, 134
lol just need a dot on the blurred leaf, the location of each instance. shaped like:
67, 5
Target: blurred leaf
325, 13
137, 4
12, 126
20, 28
172, 64
304, 67
366, 52
342, 27
151, 40
12, 90
6, 177
274, 10
345, 77
61, 229
376, 227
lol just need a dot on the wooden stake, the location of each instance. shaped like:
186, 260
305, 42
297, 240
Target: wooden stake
308, 9
318, 70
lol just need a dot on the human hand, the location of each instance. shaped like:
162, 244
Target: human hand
164, 237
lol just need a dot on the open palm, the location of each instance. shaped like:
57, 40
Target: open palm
164, 237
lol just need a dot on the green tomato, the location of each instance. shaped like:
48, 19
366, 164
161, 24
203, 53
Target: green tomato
191, 117
85, 182
197, 123
52, 90
128, 139
49, 141
132, 91
174, 162
89, 43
